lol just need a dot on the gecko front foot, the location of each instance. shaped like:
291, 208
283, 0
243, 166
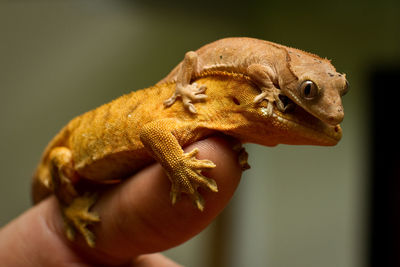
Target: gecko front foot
77, 217
187, 177
189, 93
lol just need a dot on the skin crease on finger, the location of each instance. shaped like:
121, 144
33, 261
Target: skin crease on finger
137, 216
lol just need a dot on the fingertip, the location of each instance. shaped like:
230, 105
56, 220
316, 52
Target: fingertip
156, 259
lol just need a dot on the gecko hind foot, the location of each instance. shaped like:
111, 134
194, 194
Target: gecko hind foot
189, 178
77, 217
281, 101
243, 156
189, 93
261, 96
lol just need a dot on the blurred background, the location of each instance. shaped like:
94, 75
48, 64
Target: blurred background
297, 206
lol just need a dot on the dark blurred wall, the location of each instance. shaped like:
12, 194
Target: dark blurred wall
384, 203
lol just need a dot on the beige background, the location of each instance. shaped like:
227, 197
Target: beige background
297, 206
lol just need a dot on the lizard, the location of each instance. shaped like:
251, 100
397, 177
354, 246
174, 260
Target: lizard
271, 66
112, 142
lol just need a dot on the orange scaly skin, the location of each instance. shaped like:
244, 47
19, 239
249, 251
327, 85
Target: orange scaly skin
117, 139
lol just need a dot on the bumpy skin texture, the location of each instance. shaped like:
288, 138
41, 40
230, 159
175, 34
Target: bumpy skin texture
116, 140
271, 67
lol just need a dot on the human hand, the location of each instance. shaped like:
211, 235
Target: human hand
137, 219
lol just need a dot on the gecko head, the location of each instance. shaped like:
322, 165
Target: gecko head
318, 89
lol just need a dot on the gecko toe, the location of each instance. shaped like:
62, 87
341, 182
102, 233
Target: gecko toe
260, 97
198, 201
201, 89
170, 100
189, 178
191, 108
283, 103
77, 218
189, 93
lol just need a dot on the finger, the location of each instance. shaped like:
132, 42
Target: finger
36, 238
137, 216
151, 260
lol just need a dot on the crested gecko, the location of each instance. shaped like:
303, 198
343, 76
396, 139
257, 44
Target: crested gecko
308, 80
257, 92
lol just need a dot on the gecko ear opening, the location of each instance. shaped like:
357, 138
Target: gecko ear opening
236, 101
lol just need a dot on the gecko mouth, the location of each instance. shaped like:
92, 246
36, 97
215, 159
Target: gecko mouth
287, 103
294, 114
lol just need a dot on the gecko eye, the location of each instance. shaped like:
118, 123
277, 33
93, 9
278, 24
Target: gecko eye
308, 90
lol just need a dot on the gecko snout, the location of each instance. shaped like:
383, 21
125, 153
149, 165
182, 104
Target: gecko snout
336, 117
